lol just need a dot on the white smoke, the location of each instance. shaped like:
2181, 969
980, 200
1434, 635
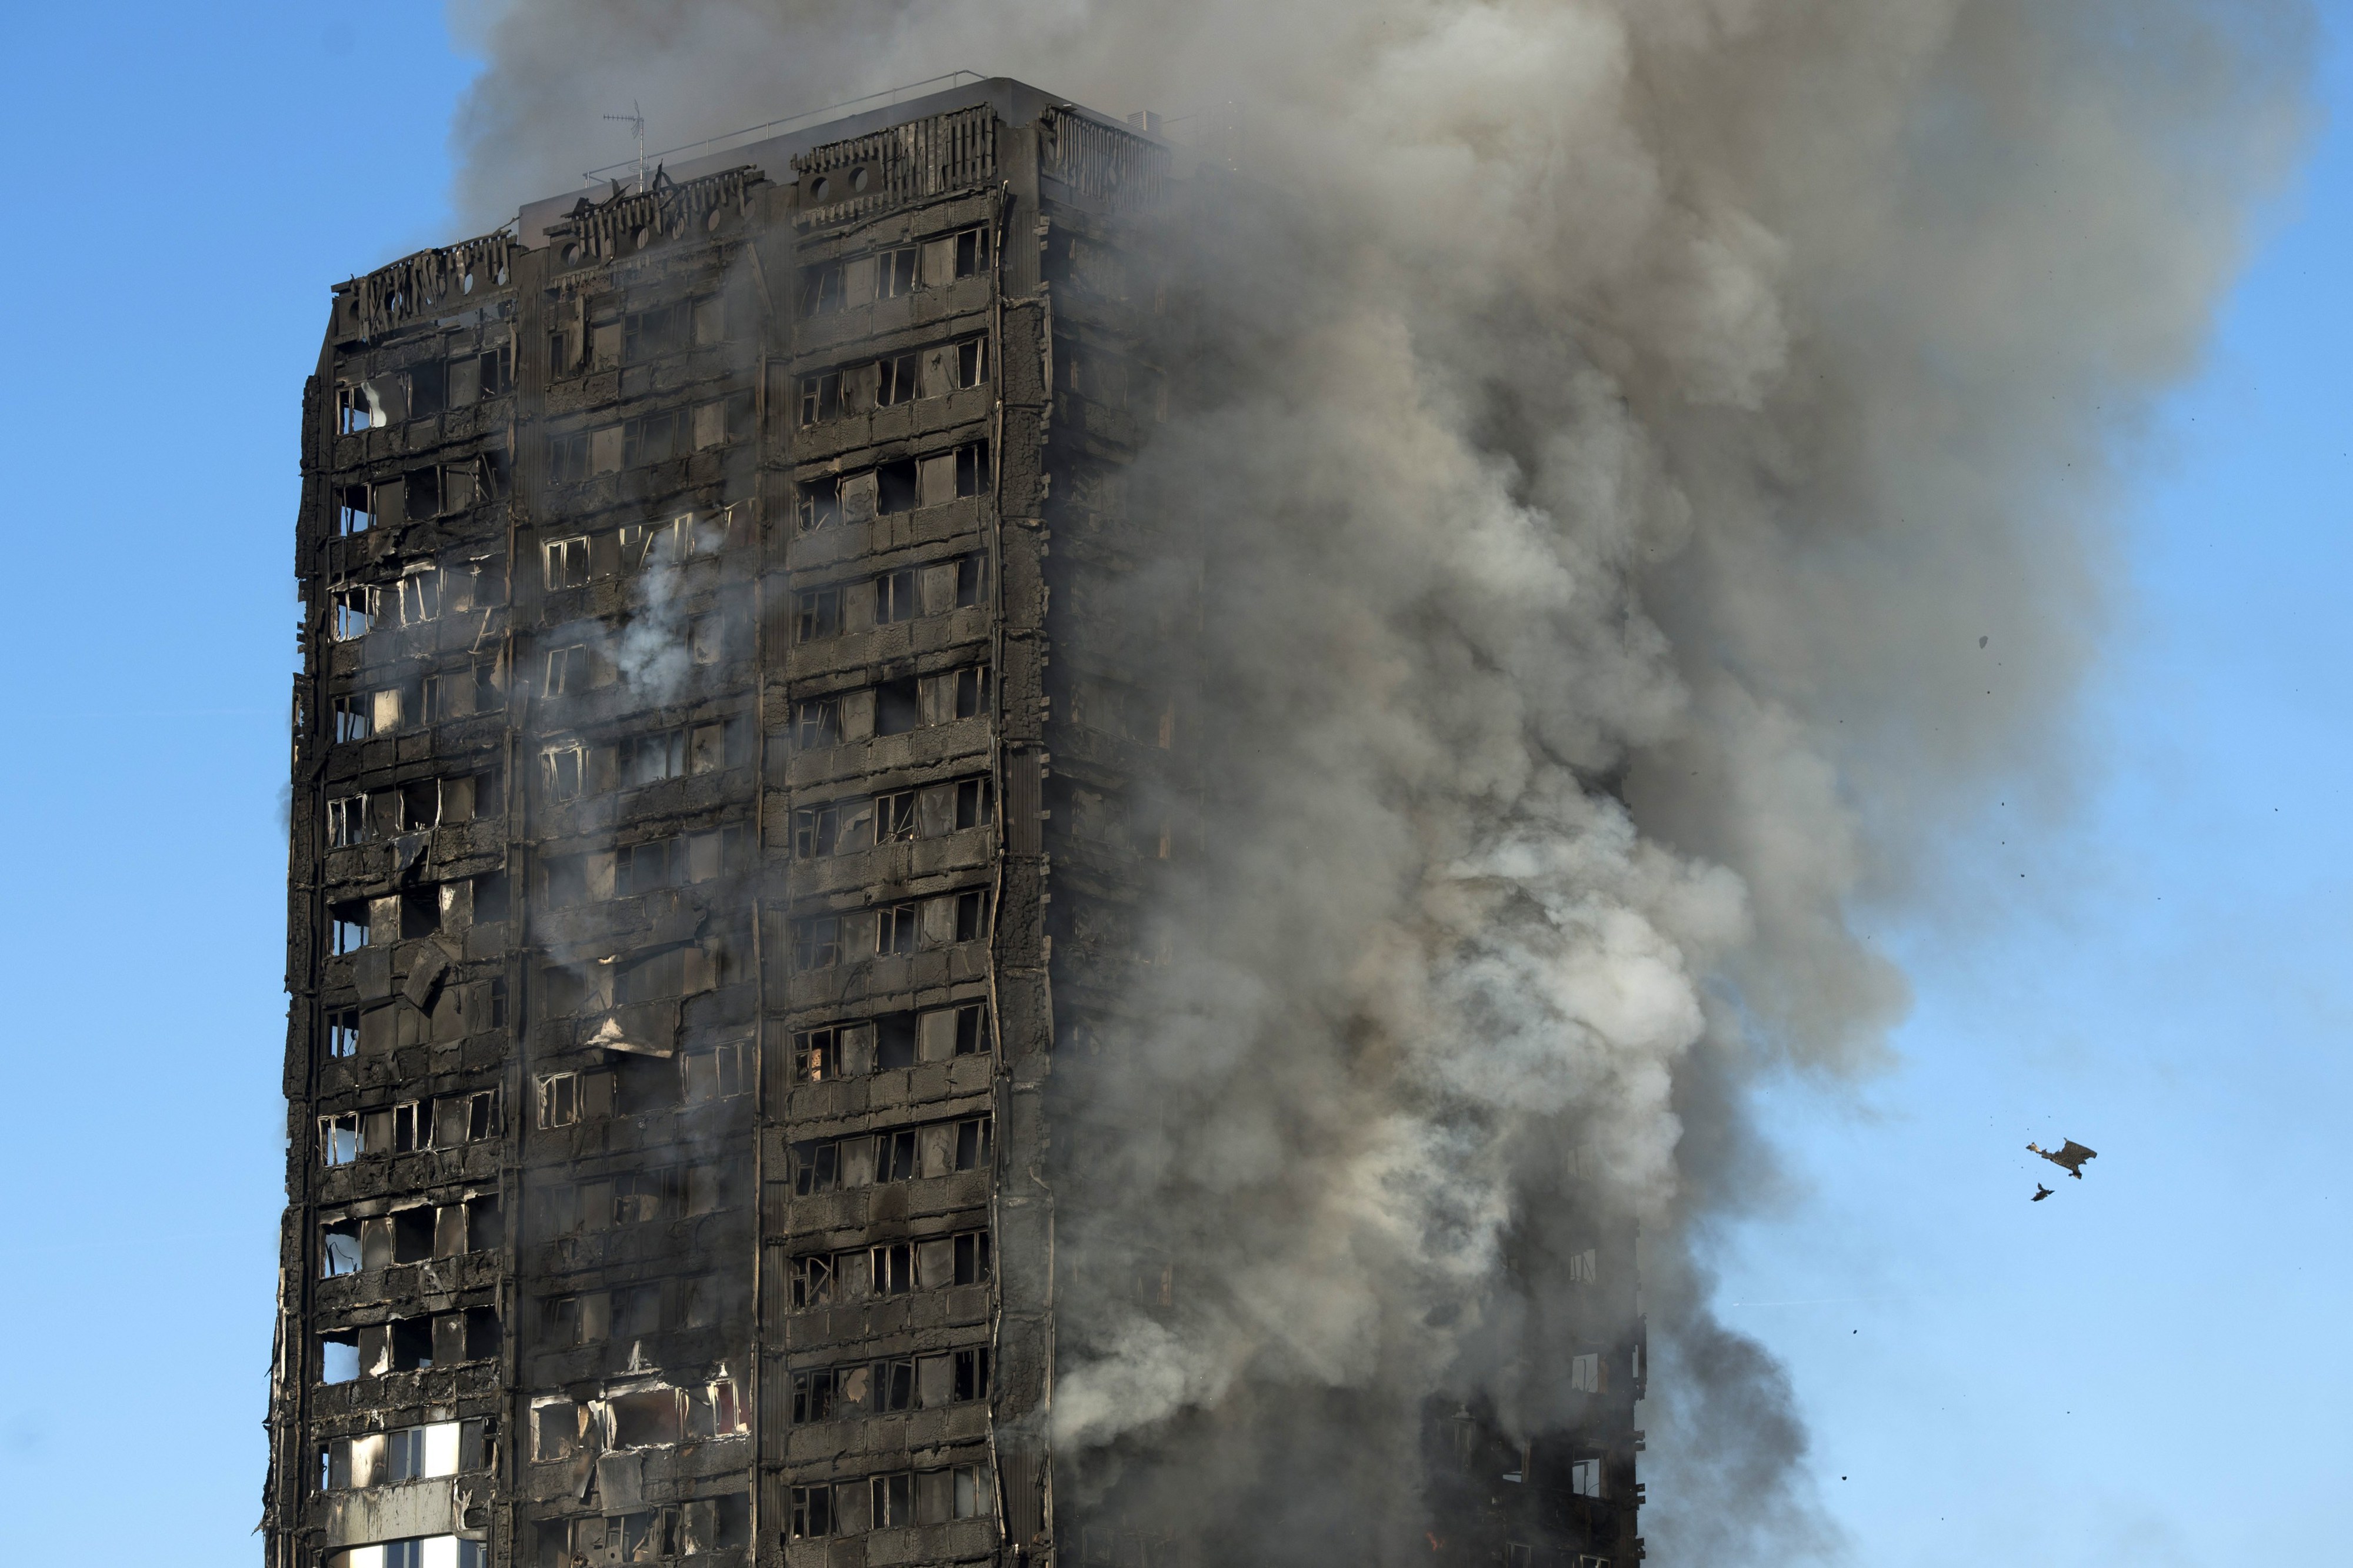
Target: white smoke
1612, 428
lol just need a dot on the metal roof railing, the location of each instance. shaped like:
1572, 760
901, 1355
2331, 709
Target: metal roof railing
882, 100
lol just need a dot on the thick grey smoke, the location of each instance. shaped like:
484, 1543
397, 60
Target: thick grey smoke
1616, 423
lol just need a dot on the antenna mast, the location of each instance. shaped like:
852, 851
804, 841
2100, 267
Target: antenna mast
636, 121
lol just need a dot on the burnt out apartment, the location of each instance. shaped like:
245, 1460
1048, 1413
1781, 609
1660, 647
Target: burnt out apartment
709, 804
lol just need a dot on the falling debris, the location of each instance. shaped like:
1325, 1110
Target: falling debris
2041, 1192
2070, 1158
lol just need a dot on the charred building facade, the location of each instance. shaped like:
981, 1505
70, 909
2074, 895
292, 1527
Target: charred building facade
701, 790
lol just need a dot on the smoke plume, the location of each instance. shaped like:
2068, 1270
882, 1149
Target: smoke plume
1621, 438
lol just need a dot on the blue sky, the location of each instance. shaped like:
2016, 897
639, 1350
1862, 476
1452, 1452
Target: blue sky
2145, 1371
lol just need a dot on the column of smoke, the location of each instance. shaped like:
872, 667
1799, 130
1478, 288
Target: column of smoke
1613, 426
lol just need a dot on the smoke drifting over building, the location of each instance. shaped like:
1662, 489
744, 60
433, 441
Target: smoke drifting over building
1051, 831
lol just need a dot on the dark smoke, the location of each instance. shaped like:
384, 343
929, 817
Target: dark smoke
1613, 427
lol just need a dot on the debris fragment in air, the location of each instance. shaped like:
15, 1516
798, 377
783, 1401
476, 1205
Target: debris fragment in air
2070, 1158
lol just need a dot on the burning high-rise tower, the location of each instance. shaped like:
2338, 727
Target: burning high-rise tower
715, 806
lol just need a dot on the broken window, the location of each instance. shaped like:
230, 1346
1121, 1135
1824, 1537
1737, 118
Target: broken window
972, 1140
817, 1054
642, 868
348, 926
410, 1128
570, 1320
354, 717
971, 362
569, 455
821, 289
971, 916
816, 831
339, 1138
339, 1249
434, 704
816, 614
557, 1427
559, 1098
664, 544
894, 1041
968, 693
420, 912
969, 1374
898, 706
640, 1197
1586, 1374
894, 1155
817, 724
649, 759
895, 818
896, 597
1583, 1266
567, 671
384, 709
972, 470
565, 563
814, 1396
605, 343
812, 1280
894, 380
648, 334
563, 769
812, 1517
411, 1345
354, 410
419, 803
708, 855
420, 597
474, 377
490, 900
346, 823
894, 272
465, 1117
339, 1356
947, 1032
894, 1265
714, 1074
489, 686
893, 1501
343, 1033
971, 252
895, 928
971, 579
708, 636
645, 1536
895, 488
354, 510
970, 1251
817, 506
655, 438
817, 1167
353, 611
975, 802
1585, 1477
821, 397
